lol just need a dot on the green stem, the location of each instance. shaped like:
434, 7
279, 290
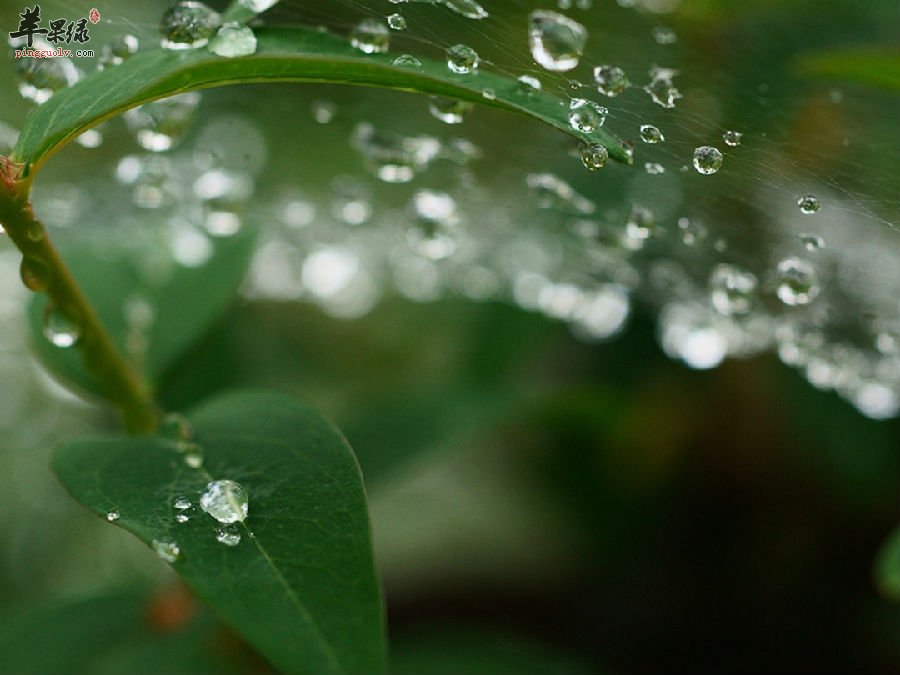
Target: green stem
43, 269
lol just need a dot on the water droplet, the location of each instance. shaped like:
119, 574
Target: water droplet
228, 535
188, 25
396, 21
640, 226
182, 503
556, 41
812, 242
117, 51
707, 160
167, 550
448, 110
650, 134
35, 274
232, 40
39, 79
808, 205
182, 517
323, 111
529, 84
798, 282
371, 36
664, 35
654, 168
225, 500
594, 156
92, 138
435, 235
159, 125
59, 329
113, 516
661, 88
489, 94
462, 59
732, 138
257, 6
586, 116
555, 193
731, 290
611, 80
193, 454
467, 8
692, 231
407, 61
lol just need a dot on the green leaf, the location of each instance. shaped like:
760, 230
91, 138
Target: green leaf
301, 584
111, 635
283, 54
879, 68
185, 305
887, 567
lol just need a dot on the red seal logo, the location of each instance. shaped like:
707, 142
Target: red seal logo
94, 16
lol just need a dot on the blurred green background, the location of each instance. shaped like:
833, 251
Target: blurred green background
539, 504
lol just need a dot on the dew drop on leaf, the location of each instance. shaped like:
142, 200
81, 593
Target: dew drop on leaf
188, 25
232, 40
35, 274
113, 515
586, 116
462, 59
556, 41
167, 550
448, 110
225, 500
59, 329
228, 535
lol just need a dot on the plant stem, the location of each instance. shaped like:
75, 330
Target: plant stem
43, 269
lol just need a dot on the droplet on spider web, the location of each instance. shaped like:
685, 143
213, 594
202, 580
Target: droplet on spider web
232, 40
188, 25
462, 59
371, 36
556, 41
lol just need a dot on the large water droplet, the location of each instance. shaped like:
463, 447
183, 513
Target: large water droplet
35, 274
798, 282
39, 79
188, 25
167, 550
586, 116
707, 160
232, 40
371, 36
611, 80
159, 125
808, 205
731, 290
448, 110
462, 59
556, 41
59, 328
228, 535
225, 500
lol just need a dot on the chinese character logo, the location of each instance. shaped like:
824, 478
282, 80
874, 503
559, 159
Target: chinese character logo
60, 30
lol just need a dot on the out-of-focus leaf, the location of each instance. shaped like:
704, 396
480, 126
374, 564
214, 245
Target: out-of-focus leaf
877, 68
887, 567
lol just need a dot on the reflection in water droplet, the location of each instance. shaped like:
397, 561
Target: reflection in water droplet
371, 36
462, 59
707, 160
798, 282
60, 330
232, 40
188, 25
556, 41
225, 500
167, 550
